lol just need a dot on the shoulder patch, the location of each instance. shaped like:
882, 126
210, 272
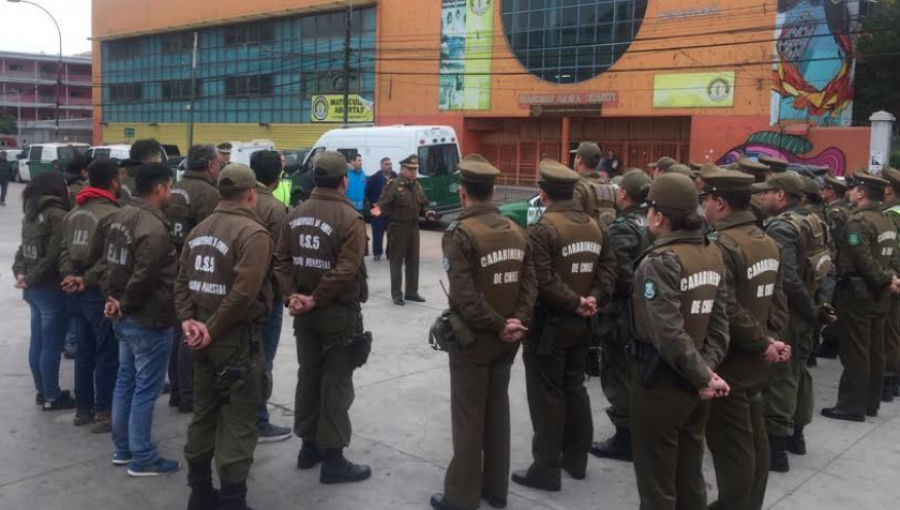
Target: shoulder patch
853, 239
651, 289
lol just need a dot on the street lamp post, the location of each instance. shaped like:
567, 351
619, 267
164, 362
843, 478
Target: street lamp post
59, 64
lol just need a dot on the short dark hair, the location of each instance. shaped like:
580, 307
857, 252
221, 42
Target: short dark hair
328, 182
143, 150
682, 220
200, 156
78, 164
266, 165
594, 161
557, 192
736, 200
874, 194
149, 176
479, 190
102, 172
355, 157
384, 159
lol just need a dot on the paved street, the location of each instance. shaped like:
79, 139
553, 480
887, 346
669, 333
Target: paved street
401, 423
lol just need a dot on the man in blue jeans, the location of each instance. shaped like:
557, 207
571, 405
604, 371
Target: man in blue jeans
141, 267
374, 186
84, 234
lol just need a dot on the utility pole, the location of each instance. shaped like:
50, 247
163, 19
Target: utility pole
193, 92
347, 34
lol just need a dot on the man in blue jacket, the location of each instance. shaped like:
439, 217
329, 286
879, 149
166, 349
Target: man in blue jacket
356, 190
374, 186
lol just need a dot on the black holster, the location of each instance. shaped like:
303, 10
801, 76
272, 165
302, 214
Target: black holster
360, 346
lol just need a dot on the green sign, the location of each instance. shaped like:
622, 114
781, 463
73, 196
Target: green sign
129, 132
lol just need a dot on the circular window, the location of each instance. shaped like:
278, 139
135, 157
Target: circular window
570, 41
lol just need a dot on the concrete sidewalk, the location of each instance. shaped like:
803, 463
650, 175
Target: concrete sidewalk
401, 423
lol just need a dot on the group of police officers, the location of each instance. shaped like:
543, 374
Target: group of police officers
696, 293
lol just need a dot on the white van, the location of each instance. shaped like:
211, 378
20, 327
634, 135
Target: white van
47, 157
437, 148
242, 151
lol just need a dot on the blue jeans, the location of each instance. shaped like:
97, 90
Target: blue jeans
49, 320
97, 356
271, 335
143, 358
379, 227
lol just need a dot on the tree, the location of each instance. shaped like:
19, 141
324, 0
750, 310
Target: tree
878, 64
7, 124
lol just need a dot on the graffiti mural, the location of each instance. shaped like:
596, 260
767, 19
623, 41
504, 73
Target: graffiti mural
789, 147
813, 73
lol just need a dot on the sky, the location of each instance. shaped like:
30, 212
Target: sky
25, 28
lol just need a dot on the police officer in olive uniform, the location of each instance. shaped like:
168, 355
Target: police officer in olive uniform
681, 328
804, 257
892, 332
142, 152
736, 432
660, 167
629, 237
760, 173
194, 198
493, 290
864, 288
223, 294
575, 268
837, 211
403, 202
322, 276
595, 194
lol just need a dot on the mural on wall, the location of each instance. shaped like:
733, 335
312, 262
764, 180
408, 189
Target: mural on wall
813, 73
788, 147
467, 31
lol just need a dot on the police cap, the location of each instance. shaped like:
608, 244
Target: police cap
474, 168
752, 167
663, 164
411, 161
588, 151
775, 163
696, 166
680, 169
636, 183
673, 191
721, 180
331, 165
864, 178
556, 173
789, 182
224, 147
237, 176
892, 175
810, 186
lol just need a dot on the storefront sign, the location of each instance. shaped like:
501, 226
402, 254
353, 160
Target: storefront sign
330, 108
587, 99
467, 31
694, 90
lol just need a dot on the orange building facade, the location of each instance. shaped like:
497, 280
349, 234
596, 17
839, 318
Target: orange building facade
521, 80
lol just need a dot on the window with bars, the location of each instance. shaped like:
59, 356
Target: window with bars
249, 34
178, 43
125, 92
249, 86
181, 89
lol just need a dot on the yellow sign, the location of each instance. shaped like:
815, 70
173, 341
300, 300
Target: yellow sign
694, 90
330, 108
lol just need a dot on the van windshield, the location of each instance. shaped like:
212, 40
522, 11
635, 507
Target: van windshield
69, 152
438, 160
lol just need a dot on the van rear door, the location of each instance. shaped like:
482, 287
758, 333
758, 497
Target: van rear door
438, 165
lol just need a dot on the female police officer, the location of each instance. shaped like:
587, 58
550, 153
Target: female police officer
682, 332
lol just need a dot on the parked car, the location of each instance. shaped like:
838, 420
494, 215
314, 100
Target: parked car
524, 212
47, 157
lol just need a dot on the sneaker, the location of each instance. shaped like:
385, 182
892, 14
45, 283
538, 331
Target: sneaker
269, 433
62, 402
83, 418
121, 459
160, 467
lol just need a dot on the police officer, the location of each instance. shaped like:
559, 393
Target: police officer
803, 252
97, 358
593, 192
661, 166
322, 277
864, 287
575, 268
224, 152
222, 295
629, 237
493, 289
142, 152
892, 332
837, 211
403, 202
812, 198
194, 197
682, 331
736, 432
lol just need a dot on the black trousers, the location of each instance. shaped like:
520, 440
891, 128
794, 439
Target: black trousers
4, 185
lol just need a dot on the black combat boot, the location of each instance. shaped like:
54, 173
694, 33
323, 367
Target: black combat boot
203, 495
796, 444
887, 391
310, 455
337, 469
778, 454
617, 447
527, 478
233, 497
